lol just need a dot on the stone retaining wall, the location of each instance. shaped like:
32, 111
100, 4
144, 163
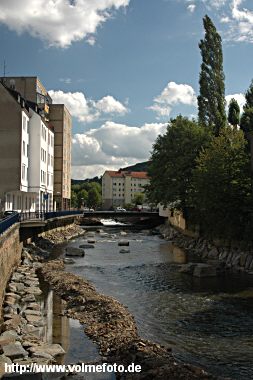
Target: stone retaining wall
231, 256
10, 255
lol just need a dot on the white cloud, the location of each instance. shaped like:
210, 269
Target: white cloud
172, 95
110, 105
240, 98
65, 80
191, 7
58, 22
113, 145
241, 27
87, 110
237, 17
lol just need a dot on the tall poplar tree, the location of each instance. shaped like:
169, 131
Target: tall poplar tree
211, 99
233, 113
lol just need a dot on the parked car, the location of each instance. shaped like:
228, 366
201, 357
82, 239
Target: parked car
120, 209
87, 209
9, 212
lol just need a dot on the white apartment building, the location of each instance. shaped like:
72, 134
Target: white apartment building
119, 187
26, 170
41, 162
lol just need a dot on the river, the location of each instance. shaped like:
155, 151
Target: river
208, 322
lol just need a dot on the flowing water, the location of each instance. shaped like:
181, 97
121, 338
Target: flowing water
207, 321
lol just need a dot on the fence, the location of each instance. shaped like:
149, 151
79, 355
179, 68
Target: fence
8, 221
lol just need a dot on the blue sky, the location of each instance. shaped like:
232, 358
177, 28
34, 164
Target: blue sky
122, 67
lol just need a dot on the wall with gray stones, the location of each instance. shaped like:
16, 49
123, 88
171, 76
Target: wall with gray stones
231, 256
10, 255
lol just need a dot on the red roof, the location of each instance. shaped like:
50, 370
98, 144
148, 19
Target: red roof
140, 175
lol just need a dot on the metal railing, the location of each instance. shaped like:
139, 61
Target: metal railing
55, 214
31, 215
8, 221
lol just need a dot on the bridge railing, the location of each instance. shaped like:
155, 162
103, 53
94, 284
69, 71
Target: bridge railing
55, 214
8, 221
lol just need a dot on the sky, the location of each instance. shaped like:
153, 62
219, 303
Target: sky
122, 67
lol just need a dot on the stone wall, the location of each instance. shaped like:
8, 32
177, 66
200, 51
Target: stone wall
10, 255
232, 256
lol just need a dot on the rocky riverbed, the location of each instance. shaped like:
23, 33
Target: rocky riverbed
113, 328
22, 330
108, 323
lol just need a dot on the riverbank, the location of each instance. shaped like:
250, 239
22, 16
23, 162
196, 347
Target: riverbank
108, 323
229, 257
113, 328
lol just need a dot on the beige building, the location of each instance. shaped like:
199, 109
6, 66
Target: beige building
119, 187
60, 118
32, 90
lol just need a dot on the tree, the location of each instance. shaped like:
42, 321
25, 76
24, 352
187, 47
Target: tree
94, 198
211, 99
82, 197
246, 122
74, 200
173, 160
233, 113
221, 191
138, 199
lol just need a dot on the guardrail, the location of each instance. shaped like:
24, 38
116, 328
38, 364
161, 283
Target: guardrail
8, 221
55, 214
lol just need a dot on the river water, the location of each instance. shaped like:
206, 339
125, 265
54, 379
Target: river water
208, 322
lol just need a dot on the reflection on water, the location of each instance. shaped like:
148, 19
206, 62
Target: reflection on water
65, 331
208, 322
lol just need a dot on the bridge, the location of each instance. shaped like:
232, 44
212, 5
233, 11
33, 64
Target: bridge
36, 222
116, 214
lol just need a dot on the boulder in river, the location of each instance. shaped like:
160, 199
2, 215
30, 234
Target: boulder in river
91, 241
73, 251
204, 270
86, 246
123, 243
67, 260
124, 251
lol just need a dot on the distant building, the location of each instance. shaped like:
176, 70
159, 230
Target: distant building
57, 115
23, 170
119, 187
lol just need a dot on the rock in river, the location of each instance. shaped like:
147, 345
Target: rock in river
204, 270
123, 243
73, 251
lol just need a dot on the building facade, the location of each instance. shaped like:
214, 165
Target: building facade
41, 162
20, 155
57, 115
60, 117
120, 187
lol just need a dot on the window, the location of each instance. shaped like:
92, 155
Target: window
23, 172
27, 150
48, 159
24, 123
23, 149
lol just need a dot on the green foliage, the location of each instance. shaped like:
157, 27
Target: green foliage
138, 199
233, 113
221, 192
173, 160
82, 197
211, 100
94, 197
86, 194
246, 122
